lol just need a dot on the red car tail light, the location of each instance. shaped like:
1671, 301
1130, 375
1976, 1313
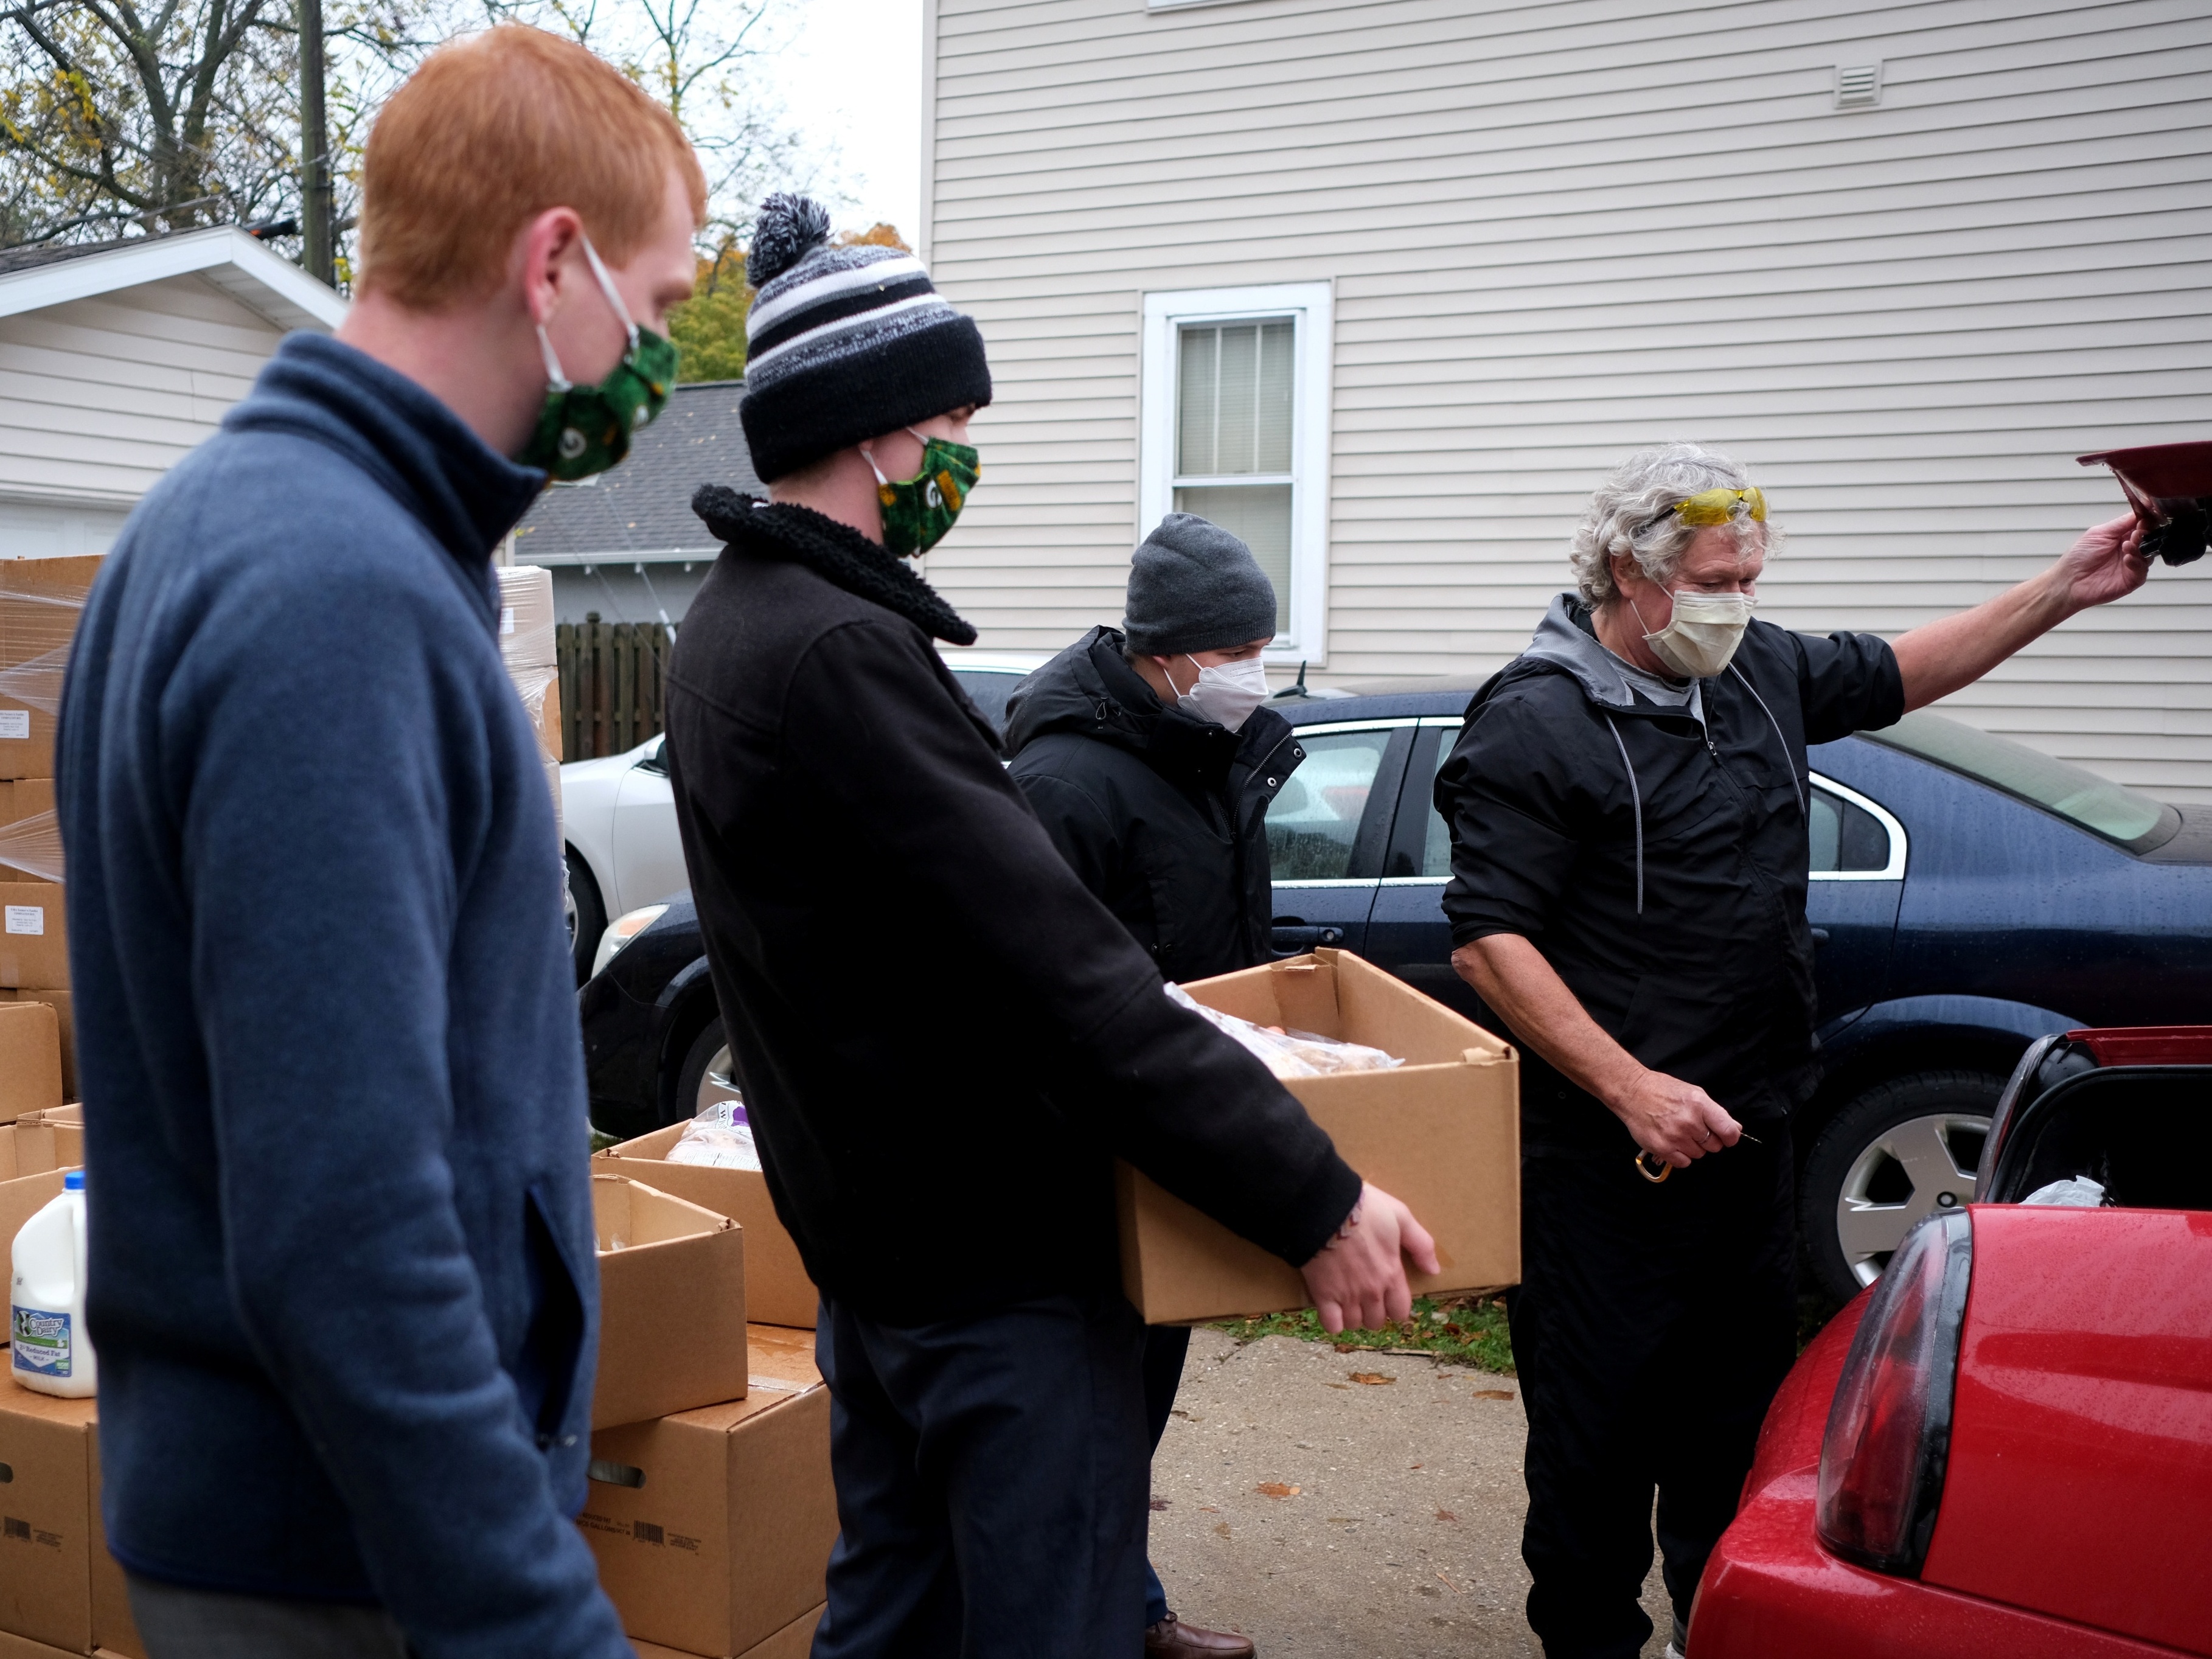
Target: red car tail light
1889, 1428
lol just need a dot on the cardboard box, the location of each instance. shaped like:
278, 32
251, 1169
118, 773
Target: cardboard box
1441, 1132
58, 1584
712, 1528
24, 799
34, 934
40, 602
794, 1641
777, 1290
672, 1303
30, 1059
65, 1012
38, 1142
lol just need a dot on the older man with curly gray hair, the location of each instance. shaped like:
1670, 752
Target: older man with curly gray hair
1628, 804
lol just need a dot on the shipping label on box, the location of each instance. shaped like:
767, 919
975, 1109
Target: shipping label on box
34, 934
1441, 1132
777, 1290
712, 1528
672, 1303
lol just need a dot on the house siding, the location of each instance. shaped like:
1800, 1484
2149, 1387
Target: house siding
99, 396
1559, 232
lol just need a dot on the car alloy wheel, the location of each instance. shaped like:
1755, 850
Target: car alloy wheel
715, 1085
1894, 1154
1910, 1171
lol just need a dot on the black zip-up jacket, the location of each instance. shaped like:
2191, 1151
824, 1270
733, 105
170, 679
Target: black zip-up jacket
943, 1038
1163, 815
1658, 864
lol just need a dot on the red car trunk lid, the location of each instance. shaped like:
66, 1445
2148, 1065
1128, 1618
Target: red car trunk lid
2080, 1475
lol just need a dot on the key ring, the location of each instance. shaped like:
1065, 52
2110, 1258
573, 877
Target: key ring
1645, 1162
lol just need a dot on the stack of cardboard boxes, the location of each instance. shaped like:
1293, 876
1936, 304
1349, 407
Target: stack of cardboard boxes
710, 1507
40, 600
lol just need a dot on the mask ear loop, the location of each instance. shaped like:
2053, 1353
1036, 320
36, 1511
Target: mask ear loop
554, 379
607, 288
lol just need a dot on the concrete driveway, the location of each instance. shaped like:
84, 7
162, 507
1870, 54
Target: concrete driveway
1323, 1514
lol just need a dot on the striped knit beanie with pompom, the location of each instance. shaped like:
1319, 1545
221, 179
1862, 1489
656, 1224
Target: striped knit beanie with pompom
843, 344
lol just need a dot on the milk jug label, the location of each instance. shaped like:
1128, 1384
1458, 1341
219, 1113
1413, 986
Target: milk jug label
42, 1341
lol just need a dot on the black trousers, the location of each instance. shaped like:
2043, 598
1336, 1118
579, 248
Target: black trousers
1651, 1328
992, 1476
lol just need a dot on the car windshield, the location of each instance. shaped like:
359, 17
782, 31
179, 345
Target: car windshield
2074, 793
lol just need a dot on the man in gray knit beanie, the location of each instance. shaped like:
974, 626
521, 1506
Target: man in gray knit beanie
1150, 758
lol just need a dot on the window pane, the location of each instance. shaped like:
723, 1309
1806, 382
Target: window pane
1233, 398
1259, 516
989, 690
1846, 837
1313, 822
1198, 378
2073, 792
1436, 847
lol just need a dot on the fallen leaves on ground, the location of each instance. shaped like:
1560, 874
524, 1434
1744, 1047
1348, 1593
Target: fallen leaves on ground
1474, 1331
1221, 1530
1373, 1379
1446, 1514
1493, 1394
1276, 1489
1158, 1503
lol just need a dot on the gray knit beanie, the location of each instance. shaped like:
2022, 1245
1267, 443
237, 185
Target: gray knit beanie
1194, 586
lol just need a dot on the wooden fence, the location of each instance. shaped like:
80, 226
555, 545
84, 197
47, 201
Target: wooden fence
613, 684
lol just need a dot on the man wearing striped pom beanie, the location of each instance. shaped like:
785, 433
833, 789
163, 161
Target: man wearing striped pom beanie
943, 1038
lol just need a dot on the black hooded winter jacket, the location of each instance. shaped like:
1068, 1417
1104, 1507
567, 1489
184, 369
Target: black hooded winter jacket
1163, 815
1659, 863
943, 1039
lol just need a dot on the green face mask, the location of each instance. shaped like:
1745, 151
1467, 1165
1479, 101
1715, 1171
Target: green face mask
583, 429
919, 512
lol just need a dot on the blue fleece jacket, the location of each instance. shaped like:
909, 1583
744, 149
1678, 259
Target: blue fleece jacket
342, 1286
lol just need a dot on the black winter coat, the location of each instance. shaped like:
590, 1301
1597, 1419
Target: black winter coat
943, 1039
1163, 815
1659, 864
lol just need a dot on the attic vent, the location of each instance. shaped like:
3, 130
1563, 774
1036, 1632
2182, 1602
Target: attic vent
1859, 86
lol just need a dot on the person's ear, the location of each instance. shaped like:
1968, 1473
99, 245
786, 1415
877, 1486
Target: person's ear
546, 248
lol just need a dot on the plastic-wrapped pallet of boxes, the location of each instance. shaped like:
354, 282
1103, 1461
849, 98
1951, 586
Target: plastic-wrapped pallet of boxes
40, 602
525, 641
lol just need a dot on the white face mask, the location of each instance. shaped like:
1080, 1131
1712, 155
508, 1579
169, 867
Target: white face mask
1226, 694
1702, 635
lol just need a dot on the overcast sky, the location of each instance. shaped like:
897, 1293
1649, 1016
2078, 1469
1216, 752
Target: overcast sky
853, 75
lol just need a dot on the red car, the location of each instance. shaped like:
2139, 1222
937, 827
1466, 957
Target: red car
2005, 1446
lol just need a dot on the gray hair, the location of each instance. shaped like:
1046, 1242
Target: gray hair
1632, 514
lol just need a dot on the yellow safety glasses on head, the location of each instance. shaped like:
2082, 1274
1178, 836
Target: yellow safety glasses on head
1718, 505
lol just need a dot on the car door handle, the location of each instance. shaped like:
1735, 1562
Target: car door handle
1298, 937
1819, 936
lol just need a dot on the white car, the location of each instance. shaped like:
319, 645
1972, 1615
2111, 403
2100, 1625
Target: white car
618, 820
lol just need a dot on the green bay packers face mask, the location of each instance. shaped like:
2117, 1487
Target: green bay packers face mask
918, 512
583, 429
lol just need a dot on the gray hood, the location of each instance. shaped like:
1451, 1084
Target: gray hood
1558, 641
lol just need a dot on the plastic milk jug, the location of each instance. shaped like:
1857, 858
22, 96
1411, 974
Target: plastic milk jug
52, 1352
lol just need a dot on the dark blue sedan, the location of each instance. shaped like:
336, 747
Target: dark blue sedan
1968, 895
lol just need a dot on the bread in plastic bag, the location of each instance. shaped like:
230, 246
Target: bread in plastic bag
718, 1138
1289, 1053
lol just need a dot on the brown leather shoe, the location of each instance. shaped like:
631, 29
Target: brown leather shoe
1173, 1639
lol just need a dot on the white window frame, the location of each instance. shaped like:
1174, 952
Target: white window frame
1312, 307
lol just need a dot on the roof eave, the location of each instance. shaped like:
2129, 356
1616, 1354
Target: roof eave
228, 257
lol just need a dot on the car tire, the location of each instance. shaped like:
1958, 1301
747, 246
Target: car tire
587, 915
705, 1076
1901, 1151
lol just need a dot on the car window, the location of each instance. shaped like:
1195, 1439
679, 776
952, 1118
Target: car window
1846, 837
2074, 793
1436, 845
989, 690
1313, 822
